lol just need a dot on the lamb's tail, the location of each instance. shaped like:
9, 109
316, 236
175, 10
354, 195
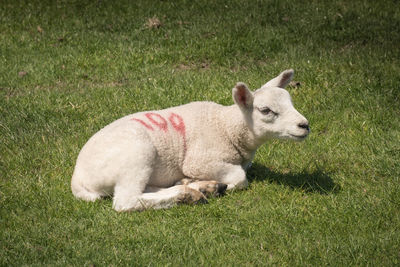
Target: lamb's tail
81, 192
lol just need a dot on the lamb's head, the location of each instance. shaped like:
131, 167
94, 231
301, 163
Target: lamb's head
269, 112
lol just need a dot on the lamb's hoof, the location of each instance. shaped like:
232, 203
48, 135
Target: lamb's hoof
221, 188
192, 196
209, 188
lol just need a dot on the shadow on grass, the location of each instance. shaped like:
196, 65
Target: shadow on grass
315, 182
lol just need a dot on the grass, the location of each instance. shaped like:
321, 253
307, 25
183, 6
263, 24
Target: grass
68, 68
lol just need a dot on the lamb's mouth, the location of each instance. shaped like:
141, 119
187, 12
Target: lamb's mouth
299, 137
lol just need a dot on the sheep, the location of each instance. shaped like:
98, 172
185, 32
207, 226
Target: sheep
184, 154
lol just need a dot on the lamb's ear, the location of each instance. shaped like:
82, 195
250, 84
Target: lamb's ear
242, 96
282, 80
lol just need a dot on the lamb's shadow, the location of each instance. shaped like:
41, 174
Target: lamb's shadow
315, 182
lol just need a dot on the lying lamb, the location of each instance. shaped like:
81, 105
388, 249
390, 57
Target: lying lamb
183, 154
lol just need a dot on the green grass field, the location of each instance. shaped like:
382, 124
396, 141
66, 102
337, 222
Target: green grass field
68, 68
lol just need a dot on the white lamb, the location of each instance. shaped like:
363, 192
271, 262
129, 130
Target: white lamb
183, 154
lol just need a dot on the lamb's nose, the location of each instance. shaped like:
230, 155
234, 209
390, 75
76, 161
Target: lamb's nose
304, 126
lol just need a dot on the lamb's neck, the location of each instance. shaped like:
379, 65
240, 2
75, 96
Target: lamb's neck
238, 130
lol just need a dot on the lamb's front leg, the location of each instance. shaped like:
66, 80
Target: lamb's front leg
206, 187
214, 181
232, 175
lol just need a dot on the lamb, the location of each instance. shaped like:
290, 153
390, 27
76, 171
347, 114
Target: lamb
184, 154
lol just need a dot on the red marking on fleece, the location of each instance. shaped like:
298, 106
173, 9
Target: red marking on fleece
177, 123
144, 124
160, 122
179, 126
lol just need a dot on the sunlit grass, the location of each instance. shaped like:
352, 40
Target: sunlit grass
69, 68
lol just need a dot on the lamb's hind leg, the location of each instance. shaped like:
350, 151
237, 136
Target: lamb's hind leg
167, 197
131, 191
160, 198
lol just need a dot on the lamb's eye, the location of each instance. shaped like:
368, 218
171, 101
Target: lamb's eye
265, 110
